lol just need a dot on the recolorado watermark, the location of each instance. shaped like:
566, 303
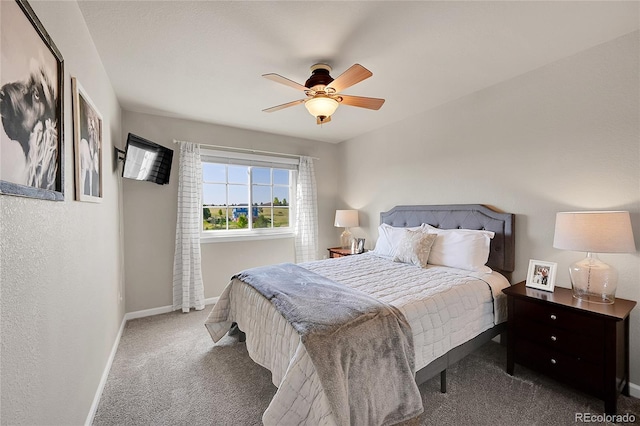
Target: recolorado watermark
601, 418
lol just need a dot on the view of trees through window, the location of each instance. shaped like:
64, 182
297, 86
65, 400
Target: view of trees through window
228, 191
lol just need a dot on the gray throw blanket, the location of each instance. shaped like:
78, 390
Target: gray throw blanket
361, 348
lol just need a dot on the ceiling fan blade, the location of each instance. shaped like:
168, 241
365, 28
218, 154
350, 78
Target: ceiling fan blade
353, 75
283, 80
283, 106
325, 121
362, 102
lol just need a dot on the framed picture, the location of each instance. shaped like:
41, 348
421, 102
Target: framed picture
541, 275
31, 103
87, 141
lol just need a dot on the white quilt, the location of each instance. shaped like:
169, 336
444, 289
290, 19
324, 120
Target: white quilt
444, 306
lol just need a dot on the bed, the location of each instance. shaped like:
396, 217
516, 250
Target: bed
451, 311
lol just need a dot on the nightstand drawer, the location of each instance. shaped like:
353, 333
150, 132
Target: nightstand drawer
561, 318
581, 346
577, 372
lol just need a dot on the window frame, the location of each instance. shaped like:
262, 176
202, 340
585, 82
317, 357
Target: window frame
257, 161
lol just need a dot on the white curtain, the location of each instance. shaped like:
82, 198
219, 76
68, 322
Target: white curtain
306, 241
188, 290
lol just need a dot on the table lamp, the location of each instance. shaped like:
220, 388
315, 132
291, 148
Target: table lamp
347, 219
594, 232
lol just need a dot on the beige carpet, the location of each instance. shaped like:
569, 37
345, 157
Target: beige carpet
168, 372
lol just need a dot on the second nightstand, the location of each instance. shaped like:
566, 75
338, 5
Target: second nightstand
339, 252
585, 345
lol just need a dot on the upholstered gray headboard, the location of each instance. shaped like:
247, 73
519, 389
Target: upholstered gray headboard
464, 216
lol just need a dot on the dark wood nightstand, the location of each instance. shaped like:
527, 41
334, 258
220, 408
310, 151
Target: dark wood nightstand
585, 345
339, 252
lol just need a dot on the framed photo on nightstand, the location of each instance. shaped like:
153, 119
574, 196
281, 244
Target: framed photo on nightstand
541, 275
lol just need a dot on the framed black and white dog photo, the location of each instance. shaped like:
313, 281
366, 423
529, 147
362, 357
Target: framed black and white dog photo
31, 103
87, 142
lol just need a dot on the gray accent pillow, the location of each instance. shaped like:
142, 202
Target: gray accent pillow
414, 248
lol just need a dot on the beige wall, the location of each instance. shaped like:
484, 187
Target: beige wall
563, 137
150, 211
61, 263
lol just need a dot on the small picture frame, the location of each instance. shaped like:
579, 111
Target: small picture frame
360, 245
87, 135
541, 275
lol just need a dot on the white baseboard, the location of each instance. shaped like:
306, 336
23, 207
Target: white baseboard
634, 390
105, 374
161, 310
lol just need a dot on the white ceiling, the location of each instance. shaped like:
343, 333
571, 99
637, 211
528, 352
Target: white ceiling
204, 60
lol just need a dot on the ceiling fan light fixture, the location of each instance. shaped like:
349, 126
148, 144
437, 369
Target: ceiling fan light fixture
323, 92
321, 106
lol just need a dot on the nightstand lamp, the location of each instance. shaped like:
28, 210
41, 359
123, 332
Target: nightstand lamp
594, 232
346, 219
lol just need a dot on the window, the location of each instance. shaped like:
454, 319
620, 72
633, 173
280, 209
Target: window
247, 195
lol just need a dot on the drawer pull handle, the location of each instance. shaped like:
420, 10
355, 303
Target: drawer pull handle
553, 317
554, 338
553, 361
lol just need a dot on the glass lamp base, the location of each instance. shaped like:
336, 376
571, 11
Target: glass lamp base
593, 280
345, 239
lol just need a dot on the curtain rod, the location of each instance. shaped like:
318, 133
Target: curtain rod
254, 151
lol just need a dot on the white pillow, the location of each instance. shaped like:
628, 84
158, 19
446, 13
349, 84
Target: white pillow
388, 239
414, 248
460, 248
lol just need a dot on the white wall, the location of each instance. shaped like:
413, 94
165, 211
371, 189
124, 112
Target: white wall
61, 263
150, 211
563, 137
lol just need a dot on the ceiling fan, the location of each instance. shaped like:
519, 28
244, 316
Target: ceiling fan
323, 92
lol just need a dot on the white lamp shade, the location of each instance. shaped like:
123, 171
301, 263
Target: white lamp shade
595, 232
321, 106
346, 218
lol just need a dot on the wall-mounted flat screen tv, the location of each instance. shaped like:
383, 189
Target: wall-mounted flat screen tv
146, 160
